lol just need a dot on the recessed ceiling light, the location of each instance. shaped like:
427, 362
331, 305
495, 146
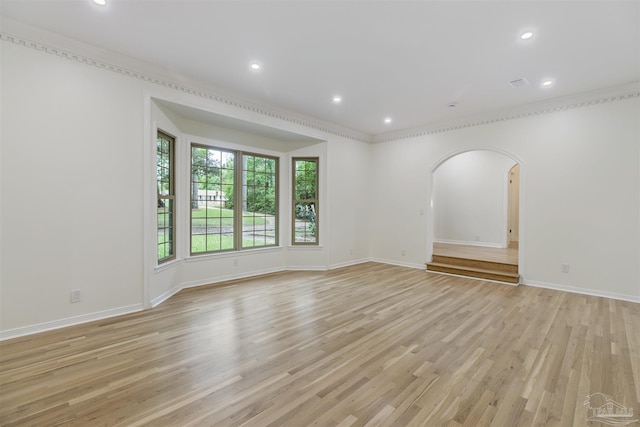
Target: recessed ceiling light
255, 66
337, 99
387, 120
527, 35
547, 83
452, 105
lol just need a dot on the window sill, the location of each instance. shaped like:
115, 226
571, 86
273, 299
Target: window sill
166, 265
306, 247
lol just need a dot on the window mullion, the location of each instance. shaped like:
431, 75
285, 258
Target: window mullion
238, 199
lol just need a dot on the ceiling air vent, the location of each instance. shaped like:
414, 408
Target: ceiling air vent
518, 82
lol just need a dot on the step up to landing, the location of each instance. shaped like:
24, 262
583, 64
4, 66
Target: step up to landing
480, 269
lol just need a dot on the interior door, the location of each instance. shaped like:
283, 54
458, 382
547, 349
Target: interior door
513, 221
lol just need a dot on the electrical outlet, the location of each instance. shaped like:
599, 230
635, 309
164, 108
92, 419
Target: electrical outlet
351, 252
76, 296
403, 252
235, 262
565, 267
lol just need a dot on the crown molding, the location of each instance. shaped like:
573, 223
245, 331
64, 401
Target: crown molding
107, 60
587, 99
191, 88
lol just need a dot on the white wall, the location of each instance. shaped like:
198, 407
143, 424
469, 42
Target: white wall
470, 198
86, 135
71, 189
350, 191
580, 199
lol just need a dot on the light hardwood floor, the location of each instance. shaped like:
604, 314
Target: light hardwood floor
359, 346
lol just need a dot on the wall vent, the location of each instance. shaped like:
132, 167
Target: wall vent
518, 82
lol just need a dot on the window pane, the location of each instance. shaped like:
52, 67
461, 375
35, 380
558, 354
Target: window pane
198, 157
212, 188
305, 201
165, 235
305, 223
259, 196
214, 197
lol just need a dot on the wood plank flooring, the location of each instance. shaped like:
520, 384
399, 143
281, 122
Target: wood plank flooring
368, 345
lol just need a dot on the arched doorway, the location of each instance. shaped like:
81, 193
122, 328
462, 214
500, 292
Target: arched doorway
475, 215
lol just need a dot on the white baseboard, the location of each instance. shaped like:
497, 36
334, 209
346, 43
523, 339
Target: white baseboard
575, 290
69, 321
165, 296
229, 277
349, 263
305, 268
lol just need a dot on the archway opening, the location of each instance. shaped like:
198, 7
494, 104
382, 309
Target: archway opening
475, 210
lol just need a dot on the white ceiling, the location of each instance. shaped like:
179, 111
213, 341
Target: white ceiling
404, 60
